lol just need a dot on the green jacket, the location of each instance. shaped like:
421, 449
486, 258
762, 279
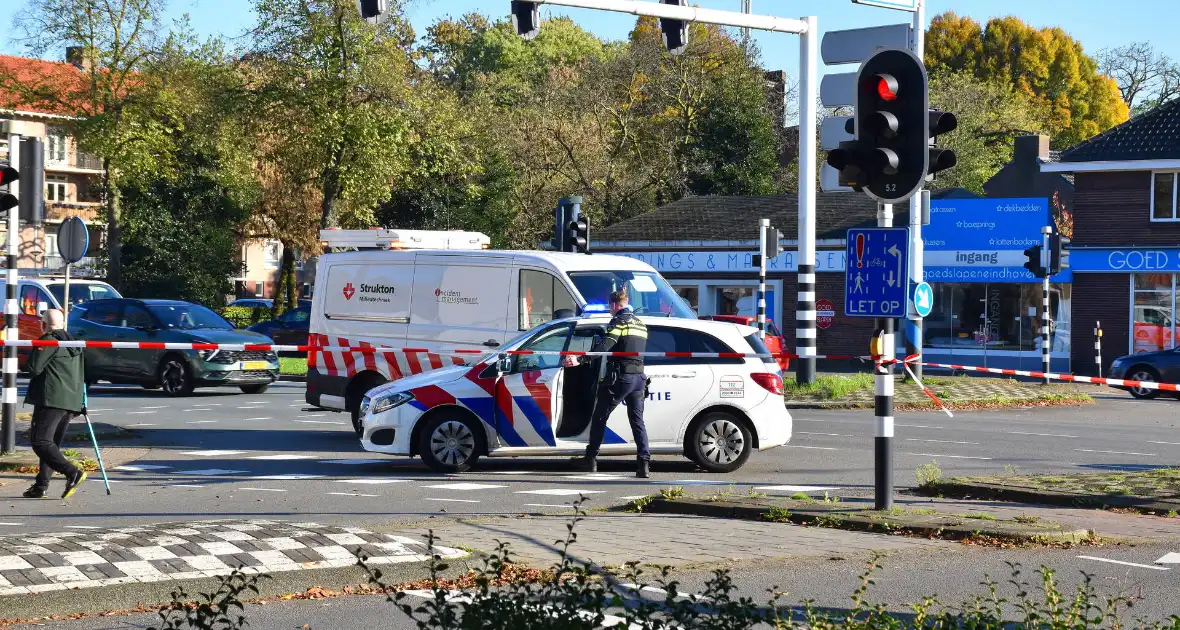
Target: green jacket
56, 376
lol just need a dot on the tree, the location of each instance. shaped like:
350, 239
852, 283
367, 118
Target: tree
331, 89
1047, 65
115, 39
1146, 77
990, 114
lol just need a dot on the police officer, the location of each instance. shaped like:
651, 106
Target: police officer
623, 381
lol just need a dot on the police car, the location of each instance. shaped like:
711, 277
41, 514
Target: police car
715, 411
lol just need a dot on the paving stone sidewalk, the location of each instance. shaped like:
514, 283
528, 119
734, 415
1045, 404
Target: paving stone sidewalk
663, 539
102, 557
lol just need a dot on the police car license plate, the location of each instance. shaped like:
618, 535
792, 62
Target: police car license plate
254, 365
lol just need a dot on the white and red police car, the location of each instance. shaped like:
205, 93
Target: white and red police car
713, 409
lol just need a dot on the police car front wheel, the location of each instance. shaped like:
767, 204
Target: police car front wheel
448, 444
719, 442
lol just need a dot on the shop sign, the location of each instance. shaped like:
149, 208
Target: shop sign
825, 314
983, 240
1125, 260
712, 262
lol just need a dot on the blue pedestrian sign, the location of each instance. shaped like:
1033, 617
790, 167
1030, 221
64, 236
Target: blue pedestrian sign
876, 279
923, 298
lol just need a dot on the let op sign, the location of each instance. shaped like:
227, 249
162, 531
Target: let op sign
876, 283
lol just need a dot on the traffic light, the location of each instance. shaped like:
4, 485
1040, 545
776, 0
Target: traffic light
1058, 253
675, 31
941, 122
578, 239
32, 185
372, 9
526, 18
1034, 261
560, 229
774, 242
8, 201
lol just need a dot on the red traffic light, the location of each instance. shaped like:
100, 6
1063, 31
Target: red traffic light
8, 175
887, 87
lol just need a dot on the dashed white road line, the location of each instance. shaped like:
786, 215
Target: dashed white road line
453, 500
313, 415
1089, 450
559, 492
282, 457
193, 410
353, 494
941, 441
12, 524
317, 422
212, 453
827, 434
144, 424
140, 467
288, 477
916, 426
1167, 443
814, 448
206, 404
1129, 564
464, 486
370, 482
158, 407
264, 489
201, 422
139, 413
1060, 435
255, 419
948, 456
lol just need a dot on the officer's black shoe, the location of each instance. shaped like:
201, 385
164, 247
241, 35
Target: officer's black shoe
643, 470
35, 492
585, 464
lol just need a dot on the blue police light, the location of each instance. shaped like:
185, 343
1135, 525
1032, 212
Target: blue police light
591, 309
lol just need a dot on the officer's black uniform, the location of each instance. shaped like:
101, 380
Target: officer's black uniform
624, 381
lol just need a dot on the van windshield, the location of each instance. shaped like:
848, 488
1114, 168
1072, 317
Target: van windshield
649, 293
82, 293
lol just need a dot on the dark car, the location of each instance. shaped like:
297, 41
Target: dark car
1161, 366
252, 303
178, 372
288, 329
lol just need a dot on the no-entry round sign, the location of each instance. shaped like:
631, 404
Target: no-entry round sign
825, 312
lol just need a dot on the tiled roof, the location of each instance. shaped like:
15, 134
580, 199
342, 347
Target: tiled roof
735, 218
1152, 135
33, 74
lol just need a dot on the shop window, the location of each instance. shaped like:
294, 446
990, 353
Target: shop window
736, 301
541, 295
1163, 197
996, 316
1153, 324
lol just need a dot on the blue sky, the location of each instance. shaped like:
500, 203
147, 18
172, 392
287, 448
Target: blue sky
1096, 23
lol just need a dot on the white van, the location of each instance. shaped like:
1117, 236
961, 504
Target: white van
440, 300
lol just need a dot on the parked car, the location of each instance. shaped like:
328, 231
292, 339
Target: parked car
36, 294
715, 411
1160, 366
775, 342
252, 303
290, 328
178, 372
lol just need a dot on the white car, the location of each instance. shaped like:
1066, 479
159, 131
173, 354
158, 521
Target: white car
715, 411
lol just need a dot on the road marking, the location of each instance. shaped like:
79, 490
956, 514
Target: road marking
264, 489
552, 505
1129, 564
947, 456
210, 472
797, 488
1060, 435
1169, 558
255, 418
1168, 443
827, 434
93, 410
559, 492
317, 422
916, 426
454, 500
941, 441
815, 448
201, 422
313, 415
464, 486
13, 524
352, 462
596, 477
282, 457
139, 413
288, 477
140, 467
192, 410
370, 482
1089, 450
213, 453
353, 494
160, 407
206, 404
144, 424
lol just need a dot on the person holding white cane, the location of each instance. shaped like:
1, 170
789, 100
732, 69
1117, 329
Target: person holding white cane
57, 392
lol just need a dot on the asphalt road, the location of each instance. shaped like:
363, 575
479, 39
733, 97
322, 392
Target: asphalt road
956, 576
223, 453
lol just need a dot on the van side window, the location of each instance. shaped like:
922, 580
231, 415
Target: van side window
541, 294
660, 339
30, 296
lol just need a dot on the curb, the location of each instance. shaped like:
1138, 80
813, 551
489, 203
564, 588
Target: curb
953, 489
881, 524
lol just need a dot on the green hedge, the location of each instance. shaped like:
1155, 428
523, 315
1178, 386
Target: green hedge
242, 316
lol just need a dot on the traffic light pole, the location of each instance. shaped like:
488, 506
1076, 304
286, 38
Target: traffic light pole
805, 307
1046, 346
763, 232
917, 271
11, 332
883, 398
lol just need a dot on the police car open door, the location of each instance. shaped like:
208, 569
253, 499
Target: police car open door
529, 396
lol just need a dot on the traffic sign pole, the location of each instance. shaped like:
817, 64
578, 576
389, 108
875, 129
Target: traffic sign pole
883, 400
763, 232
808, 153
1046, 232
918, 203
8, 439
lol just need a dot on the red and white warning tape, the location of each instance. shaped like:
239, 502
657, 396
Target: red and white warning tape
1112, 382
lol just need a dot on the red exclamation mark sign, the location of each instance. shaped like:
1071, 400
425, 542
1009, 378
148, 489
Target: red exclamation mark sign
860, 250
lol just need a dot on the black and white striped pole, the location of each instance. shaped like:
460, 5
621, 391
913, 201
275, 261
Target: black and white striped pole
1046, 257
8, 439
1098, 348
883, 348
763, 251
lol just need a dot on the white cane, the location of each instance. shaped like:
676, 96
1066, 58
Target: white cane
97, 453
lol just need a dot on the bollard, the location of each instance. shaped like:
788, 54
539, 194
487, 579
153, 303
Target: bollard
1098, 347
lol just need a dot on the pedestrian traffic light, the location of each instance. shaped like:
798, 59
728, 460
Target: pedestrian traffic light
675, 31
8, 201
578, 239
526, 18
1034, 261
1058, 253
372, 9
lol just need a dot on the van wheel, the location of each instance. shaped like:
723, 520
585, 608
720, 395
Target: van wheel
448, 443
176, 378
719, 442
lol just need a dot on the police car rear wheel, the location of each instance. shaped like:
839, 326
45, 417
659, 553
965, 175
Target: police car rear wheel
448, 444
719, 442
